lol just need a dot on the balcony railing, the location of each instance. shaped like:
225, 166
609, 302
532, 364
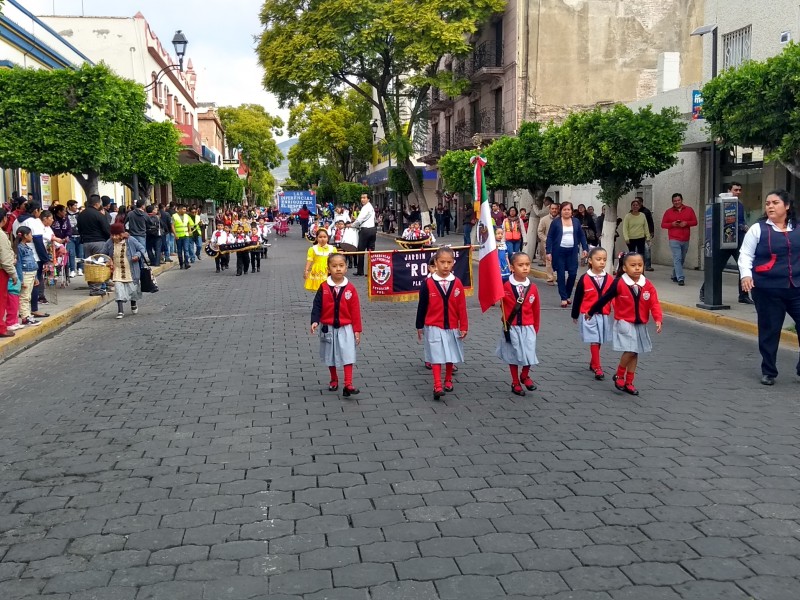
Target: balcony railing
439, 100
488, 123
487, 61
435, 147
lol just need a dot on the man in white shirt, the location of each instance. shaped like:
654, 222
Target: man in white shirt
367, 232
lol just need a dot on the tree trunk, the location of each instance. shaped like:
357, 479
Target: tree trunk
416, 186
792, 167
90, 183
607, 239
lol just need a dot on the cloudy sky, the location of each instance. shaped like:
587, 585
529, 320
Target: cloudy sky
220, 38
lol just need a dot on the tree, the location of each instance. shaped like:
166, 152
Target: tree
758, 104
456, 171
80, 122
204, 181
398, 180
252, 127
337, 130
349, 193
319, 48
616, 147
154, 157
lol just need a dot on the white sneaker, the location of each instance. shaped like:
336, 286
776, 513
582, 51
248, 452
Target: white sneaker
30, 322
80, 272
15, 327
135, 310
120, 315
73, 274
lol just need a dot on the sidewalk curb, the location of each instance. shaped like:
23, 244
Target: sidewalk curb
25, 338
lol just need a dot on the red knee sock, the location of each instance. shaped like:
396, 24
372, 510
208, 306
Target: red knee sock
595, 350
437, 376
526, 372
514, 374
621, 372
334, 376
348, 376
448, 373
629, 377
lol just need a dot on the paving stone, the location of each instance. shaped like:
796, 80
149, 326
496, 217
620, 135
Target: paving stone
447, 547
138, 576
364, 575
122, 559
717, 569
206, 535
75, 582
234, 588
389, 551
154, 540
505, 542
269, 565
606, 555
712, 590
655, 574
426, 569
238, 550
300, 582
179, 555
207, 570
595, 578
532, 584
404, 590
487, 563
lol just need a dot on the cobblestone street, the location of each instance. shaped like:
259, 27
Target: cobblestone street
193, 452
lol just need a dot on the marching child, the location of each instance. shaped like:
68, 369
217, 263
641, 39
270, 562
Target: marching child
521, 311
502, 254
337, 308
413, 232
242, 256
442, 318
27, 263
218, 238
316, 271
428, 231
635, 299
255, 255
595, 330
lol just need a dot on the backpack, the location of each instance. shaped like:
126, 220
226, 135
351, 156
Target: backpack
154, 226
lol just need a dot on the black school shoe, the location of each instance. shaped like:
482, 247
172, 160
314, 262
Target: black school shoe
438, 393
620, 386
767, 380
517, 389
349, 391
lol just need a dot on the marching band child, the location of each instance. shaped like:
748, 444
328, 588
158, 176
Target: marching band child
218, 238
255, 255
502, 254
316, 271
521, 310
413, 232
595, 330
337, 308
427, 231
442, 317
242, 256
263, 235
635, 299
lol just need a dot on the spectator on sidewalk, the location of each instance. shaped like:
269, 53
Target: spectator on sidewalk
651, 227
180, 227
167, 237
8, 272
136, 222
154, 234
30, 218
542, 231
635, 229
95, 232
678, 222
74, 246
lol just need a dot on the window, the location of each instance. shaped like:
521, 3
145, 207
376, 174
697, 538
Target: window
736, 47
154, 83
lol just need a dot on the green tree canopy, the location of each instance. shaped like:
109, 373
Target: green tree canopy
457, 172
399, 181
349, 193
319, 48
154, 157
758, 104
252, 127
203, 181
80, 122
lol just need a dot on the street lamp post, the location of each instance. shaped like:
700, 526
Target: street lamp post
179, 42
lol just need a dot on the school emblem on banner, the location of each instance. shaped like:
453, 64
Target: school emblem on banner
381, 273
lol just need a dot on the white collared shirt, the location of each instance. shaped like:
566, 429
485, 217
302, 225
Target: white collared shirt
330, 282
366, 218
747, 253
628, 281
516, 282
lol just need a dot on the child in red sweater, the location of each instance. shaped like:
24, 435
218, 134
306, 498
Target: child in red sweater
595, 330
337, 308
635, 299
521, 311
442, 320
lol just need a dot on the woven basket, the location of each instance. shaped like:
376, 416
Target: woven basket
97, 273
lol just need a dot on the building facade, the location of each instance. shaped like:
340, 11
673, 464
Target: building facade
130, 47
27, 41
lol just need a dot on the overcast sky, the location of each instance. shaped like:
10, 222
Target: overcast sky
220, 35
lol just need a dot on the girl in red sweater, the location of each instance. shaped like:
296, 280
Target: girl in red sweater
635, 298
596, 330
521, 310
337, 309
442, 320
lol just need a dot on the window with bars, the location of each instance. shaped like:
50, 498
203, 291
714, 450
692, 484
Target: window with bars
736, 47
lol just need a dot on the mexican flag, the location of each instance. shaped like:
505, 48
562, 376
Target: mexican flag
490, 282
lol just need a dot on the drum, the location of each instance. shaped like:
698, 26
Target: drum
211, 249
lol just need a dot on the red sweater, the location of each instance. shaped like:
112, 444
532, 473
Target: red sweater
344, 309
444, 310
531, 307
587, 293
686, 214
630, 307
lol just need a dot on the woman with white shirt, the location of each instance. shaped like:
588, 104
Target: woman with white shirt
769, 267
564, 239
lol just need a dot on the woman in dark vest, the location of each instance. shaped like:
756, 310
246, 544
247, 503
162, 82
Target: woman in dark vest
769, 266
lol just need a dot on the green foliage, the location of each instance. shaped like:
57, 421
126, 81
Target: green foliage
153, 158
292, 185
201, 181
64, 121
252, 127
758, 104
400, 182
456, 171
349, 193
617, 147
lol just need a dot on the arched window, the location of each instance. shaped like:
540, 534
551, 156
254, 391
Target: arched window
155, 87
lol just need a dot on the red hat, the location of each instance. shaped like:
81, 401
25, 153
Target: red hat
117, 229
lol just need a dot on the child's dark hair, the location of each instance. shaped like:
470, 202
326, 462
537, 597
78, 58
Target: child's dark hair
320, 230
517, 255
432, 261
22, 231
596, 250
442, 251
335, 255
623, 258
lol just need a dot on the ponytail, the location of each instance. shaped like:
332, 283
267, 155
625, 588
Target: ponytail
22, 231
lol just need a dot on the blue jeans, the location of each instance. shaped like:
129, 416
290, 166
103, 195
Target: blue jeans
565, 259
75, 251
172, 246
512, 247
198, 246
679, 250
153, 246
467, 234
184, 251
141, 239
648, 258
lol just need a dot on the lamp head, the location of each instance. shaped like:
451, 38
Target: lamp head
180, 42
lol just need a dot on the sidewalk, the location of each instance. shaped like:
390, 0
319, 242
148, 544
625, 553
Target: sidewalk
73, 304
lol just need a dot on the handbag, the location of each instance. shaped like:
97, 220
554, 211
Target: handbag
15, 289
146, 279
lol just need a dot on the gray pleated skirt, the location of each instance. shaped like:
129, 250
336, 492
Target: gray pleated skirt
597, 330
337, 347
442, 345
629, 337
126, 291
521, 350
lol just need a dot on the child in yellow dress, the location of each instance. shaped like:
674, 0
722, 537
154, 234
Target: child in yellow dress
317, 261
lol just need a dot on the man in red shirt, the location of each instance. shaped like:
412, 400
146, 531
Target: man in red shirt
678, 222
